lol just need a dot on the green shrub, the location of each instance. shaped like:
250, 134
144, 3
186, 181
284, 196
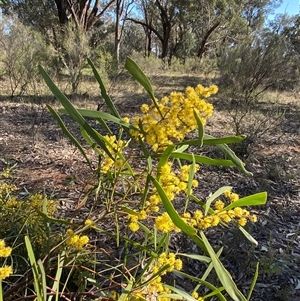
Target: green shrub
22, 49
138, 181
22, 217
106, 65
150, 64
72, 48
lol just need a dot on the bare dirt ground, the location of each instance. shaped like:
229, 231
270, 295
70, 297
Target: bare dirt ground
47, 162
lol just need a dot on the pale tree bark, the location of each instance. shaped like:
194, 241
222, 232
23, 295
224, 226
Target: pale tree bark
121, 11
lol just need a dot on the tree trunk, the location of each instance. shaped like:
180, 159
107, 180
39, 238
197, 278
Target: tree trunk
62, 6
148, 44
117, 30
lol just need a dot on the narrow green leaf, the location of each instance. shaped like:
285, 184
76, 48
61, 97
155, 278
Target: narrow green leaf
157, 274
202, 159
36, 274
73, 112
129, 210
145, 270
59, 269
223, 275
105, 126
214, 293
191, 142
180, 223
43, 283
147, 231
253, 282
97, 116
137, 73
200, 129
205, 283
139, 76
104, 94
248, 235
147, 155
172, 296
190, 183
102, 115
181, 149
210, 266
69, 134
164, 157
191, 176
232, 156
251, 200
201, 258
181, 293
126, 291
1, 291
199, 242
90, 142
210, 140
219, 192
201, 203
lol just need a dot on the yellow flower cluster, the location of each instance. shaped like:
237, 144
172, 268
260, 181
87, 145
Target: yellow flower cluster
36, 203
89, 223
196, 296
114, 146
172, 185
238, 214
76, 241
164, 224
231, 196
168, 259
156, 286
5, 271
6, 189
5, 173
22, 214
133, 222
4, 251
173, 117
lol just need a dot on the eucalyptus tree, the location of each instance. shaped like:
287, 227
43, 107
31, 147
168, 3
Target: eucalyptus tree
158, 17
197, 27
39, 15
85, 14
268, 59
208, 21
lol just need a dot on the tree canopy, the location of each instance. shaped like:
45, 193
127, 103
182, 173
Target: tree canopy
165, 28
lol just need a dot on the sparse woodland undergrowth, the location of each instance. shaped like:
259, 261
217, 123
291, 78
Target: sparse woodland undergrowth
137, 198
144, 170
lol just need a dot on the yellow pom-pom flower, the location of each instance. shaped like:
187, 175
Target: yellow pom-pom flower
4, 251
5, 272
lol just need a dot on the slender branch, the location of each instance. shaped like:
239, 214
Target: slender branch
147, 26
205, 38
